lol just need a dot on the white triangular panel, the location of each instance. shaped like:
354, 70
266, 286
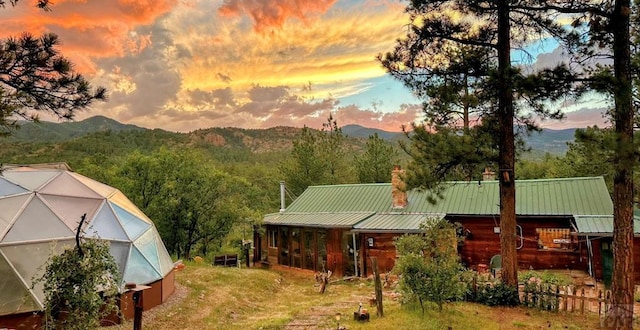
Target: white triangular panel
100, 188
139, 270
9, 209
15, 296
166, 263
133, 226
66, 185
147, 246
31, 180
121, 200
105, 225
29, 260
37, 222
120, 253
9, 188
71, 209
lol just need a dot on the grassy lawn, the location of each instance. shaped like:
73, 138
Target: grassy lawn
233, 298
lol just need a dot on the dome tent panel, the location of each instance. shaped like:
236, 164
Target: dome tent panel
28, 260
25, 216
121, 200
166, 264
105, 225
147, 246
10, 188
16, 298
100, 188
120, 252
37, 222
30, 179
133, 226
139, 270
9, 209
67, 185
71, 209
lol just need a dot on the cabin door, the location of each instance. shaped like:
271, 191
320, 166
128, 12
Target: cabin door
607, 261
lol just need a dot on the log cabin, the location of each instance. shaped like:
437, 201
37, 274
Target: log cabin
562, 223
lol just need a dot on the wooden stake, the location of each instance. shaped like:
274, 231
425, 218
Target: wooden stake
378, 284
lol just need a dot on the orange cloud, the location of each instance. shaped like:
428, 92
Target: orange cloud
88, 29
273, 13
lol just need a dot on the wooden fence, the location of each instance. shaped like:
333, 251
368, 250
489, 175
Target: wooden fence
566, 298
559, 298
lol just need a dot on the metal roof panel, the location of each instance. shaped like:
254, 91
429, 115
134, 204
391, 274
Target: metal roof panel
316, 219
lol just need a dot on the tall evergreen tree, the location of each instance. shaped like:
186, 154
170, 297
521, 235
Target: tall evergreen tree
438, 28
376, 163
333, 153
608, 36
305, 167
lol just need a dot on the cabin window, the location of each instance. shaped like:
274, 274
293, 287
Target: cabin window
273, 238
554, 239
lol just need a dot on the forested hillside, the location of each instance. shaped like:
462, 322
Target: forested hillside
207, 188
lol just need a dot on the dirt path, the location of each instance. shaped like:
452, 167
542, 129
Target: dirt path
323, 317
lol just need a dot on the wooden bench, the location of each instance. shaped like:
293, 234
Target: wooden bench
227, 260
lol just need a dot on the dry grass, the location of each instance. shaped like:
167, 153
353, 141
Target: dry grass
233, 298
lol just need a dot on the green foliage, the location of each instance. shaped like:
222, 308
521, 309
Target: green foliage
317, 158
429, 266
80, 287
305, 167
333, 153
496, 294
375, 164
544, 277
193, 204
35, 78
443, 153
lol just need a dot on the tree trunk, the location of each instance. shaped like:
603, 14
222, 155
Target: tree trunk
620, 315
506, 158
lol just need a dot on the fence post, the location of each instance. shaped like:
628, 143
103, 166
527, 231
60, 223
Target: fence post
607, 296
378, 286
599, 302
566, 297
557, 304
582, 302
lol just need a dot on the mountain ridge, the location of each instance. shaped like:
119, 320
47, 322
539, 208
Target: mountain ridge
256, 140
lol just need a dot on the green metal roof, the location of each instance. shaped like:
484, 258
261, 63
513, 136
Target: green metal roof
394, 222
600, 224
569, 196
324, 220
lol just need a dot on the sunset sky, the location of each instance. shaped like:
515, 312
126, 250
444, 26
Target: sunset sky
185, 65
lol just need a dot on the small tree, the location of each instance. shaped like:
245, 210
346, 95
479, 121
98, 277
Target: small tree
429, 266
79, 286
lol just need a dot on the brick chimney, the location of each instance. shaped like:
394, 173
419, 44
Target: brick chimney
488, 174
398, 188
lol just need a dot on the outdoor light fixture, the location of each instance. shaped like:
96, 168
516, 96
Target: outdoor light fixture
338, 315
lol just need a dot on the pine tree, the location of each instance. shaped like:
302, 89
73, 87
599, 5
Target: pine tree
483, 35
35, 78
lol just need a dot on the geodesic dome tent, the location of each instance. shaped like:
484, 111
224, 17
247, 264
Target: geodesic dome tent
40, 209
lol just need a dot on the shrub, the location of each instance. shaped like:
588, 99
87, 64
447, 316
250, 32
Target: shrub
429, 266
497, 294
79, 285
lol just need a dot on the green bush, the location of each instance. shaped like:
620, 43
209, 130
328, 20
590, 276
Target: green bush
79, 287
497, 294
429, 266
